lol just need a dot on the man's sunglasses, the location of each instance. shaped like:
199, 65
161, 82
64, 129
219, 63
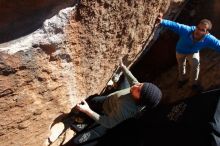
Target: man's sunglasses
202, 30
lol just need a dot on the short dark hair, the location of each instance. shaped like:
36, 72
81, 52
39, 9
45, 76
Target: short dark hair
207, 22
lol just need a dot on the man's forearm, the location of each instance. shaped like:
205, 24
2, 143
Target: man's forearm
178, 28
131, 79
95, 116
168, 23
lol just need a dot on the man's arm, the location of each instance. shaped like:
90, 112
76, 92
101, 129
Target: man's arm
102, 120
131, 79
214, 43
181, 29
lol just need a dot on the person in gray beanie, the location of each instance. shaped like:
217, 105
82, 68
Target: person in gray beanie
150, 95
118, 106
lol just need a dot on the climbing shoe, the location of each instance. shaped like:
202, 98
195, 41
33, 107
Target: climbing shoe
79, 123
77, 127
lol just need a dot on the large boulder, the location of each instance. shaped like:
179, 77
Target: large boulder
55, 53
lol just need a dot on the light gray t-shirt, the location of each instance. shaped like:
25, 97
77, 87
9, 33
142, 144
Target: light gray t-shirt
119, 105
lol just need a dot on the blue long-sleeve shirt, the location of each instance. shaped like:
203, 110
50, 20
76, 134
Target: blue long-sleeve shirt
185, 44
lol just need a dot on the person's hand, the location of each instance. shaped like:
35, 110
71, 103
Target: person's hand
83, 106
159, 18
121, 63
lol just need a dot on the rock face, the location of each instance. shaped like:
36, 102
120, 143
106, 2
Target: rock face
68, 57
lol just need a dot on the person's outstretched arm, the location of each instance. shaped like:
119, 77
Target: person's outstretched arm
131, 79
101, 119
180, 29
214, 43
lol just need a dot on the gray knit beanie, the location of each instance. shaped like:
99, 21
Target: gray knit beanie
150, 95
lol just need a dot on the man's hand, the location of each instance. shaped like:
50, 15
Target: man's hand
83, 107
121, 63
159, 18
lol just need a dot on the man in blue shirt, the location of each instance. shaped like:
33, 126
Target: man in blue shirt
191, 40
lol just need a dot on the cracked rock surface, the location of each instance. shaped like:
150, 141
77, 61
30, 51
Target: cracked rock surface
55, 53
